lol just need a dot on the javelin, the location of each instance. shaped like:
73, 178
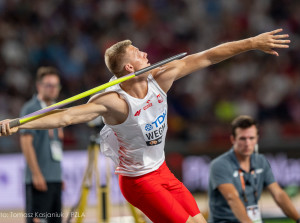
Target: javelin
42, 112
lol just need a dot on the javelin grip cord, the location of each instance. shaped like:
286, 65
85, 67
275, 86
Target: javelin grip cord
13, 123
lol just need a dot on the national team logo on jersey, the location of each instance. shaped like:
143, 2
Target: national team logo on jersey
138, 113
149, 104
159, 98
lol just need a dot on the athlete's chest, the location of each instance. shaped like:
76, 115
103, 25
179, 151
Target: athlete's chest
150, 117
148, 109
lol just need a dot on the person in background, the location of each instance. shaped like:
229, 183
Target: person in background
237, 178
43, 152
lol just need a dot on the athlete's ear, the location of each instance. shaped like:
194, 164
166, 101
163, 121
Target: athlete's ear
128, 67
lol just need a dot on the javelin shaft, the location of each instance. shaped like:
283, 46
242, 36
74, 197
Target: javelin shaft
65, 102
41, 112
159, 63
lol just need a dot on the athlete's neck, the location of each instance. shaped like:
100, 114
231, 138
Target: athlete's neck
136, 87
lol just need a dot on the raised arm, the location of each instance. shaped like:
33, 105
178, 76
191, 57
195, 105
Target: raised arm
265, 42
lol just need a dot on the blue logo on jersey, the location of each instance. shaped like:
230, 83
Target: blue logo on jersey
148, 127
160, 119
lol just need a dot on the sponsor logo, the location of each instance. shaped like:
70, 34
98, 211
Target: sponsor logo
148, 127
154, 131
259, 171
156, 134
138, 112
154, 142
148, 105
160, 119
159, 98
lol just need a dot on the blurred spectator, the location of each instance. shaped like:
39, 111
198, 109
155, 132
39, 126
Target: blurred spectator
43, 152
238, 177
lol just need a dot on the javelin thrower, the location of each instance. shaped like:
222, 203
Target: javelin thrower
135, 114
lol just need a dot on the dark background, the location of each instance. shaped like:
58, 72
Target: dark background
73, 35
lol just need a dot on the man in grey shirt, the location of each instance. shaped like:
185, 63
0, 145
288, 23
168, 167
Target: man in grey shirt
43, 152
238, 177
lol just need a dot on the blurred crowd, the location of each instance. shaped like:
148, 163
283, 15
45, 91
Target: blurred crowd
73, 35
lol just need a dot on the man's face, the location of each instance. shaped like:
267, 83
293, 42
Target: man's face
245, 140
137, 58
49, 87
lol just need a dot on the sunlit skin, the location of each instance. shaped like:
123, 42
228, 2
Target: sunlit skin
135, 60
48, 88
244, 142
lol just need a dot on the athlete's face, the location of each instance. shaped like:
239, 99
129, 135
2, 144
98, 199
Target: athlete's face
136, 58
49, 87
244, 141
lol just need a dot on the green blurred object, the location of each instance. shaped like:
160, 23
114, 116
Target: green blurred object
225, 110
278, 220
292, 190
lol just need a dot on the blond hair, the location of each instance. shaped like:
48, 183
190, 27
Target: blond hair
114, 57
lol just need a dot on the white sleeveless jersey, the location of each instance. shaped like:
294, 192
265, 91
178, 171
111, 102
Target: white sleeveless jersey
137, 145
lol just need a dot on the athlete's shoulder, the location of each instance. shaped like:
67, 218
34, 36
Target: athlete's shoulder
106, 97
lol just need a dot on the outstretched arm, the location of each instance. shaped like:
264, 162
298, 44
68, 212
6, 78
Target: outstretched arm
265, 42
64, 117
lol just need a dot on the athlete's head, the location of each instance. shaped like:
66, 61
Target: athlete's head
244, 135
123, 58
48, 83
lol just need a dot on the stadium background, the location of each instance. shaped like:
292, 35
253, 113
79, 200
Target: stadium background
73, 35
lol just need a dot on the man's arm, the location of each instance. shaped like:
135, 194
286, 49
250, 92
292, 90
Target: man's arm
100, 105
231, 195
283, 201
265, 42
64, 117
38, 179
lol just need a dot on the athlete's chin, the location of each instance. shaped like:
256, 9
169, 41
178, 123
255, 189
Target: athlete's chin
143, 66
